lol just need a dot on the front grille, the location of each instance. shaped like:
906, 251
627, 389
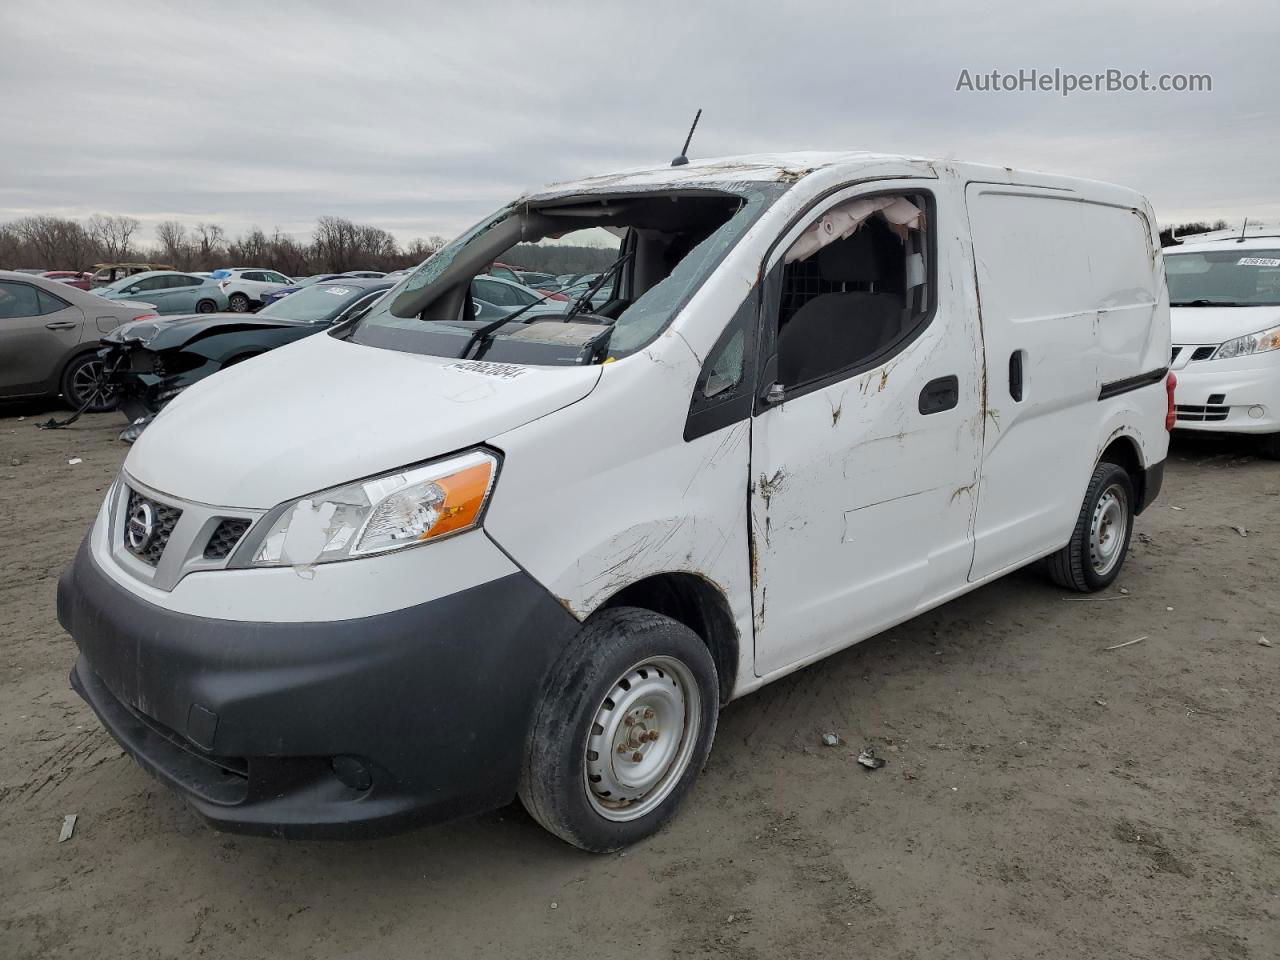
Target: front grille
1202, 414
148, 545
225, 538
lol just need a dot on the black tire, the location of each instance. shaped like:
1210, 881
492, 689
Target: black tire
1082, 565
239, 303
83, 381
206, 306
1270, 446
611, 650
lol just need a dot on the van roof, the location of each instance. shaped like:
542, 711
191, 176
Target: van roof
848, 165
1227, 240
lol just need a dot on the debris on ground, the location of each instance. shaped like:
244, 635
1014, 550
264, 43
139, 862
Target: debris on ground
1241, 530
1123, 595
1124, 591
1144, 538
1100, 702
1127, 643
830, 740
1172, 507
73, 461
869, 759
68, 827
1264, 642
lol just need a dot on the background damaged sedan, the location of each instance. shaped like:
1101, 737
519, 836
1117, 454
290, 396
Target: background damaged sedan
151, 362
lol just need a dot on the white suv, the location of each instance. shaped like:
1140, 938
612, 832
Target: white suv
246, 287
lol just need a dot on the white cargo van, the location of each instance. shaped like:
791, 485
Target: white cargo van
1225, 294
421, 563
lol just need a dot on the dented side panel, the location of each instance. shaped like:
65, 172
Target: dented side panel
861, 505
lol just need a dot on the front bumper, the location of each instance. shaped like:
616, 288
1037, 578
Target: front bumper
431, 703
142, 392
1240, 395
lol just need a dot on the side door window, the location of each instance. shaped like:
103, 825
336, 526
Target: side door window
851, 289
18, 300
490, 291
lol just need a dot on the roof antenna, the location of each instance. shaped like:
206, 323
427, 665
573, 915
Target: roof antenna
1243, 228
683, 159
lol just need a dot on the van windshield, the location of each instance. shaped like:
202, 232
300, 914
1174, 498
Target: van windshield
495, 294
1224, 278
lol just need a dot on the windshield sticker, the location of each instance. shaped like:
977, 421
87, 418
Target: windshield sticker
486, 368
338, 291
1258, 262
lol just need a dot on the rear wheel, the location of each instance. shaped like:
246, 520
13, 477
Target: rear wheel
238, 302
206, 306
622, 731
1093, 557
85, 385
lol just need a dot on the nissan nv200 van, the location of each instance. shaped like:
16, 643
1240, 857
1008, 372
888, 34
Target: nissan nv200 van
423, 563
1225, 295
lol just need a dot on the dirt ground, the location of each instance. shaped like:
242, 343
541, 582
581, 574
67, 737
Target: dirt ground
1043, 796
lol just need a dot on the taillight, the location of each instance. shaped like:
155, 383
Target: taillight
147, 316
1171, 415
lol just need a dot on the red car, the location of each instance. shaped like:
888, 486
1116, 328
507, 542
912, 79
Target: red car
72, 278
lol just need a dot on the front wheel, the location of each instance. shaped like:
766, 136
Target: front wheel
624, 727
239, 303
1093, 557
85, 385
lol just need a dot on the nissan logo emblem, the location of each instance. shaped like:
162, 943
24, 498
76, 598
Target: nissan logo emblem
140, 526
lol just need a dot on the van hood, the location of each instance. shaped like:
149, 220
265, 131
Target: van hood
323, 412
1205, 325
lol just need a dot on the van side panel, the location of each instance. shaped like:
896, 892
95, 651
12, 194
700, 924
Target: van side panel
1068, 292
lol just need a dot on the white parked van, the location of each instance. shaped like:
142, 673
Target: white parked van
1225, 294
453, 560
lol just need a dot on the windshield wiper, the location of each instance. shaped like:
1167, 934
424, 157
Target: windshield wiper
592, 290
484, 334
1212, 303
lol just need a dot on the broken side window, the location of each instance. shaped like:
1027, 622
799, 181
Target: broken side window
854, 286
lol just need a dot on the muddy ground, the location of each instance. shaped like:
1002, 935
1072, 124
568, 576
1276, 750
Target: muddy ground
1043, 797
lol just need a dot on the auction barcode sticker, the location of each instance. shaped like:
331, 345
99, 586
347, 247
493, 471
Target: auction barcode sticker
1258, 262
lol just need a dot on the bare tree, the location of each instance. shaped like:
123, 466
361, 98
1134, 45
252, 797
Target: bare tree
175, 245
57, 242
210, 242
113, 234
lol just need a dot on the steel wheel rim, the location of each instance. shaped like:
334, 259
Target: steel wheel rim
652, 712
89, 385
1107, 530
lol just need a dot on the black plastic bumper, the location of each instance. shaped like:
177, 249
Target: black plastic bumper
1152, 481
429, 706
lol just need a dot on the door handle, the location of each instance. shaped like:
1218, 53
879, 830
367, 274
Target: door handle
1015, 375
940, 394
61, 325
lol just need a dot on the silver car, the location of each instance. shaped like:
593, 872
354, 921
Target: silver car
169, 291
49, 335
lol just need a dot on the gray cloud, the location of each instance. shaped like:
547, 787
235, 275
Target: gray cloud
421, 119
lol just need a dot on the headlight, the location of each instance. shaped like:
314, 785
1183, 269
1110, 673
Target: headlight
1253, 343
383, 513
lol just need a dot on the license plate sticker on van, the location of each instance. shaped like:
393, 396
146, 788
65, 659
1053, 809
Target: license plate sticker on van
486, 368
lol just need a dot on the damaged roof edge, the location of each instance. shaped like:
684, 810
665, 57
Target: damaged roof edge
723, 171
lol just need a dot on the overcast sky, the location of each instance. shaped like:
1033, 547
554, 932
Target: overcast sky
422, 117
